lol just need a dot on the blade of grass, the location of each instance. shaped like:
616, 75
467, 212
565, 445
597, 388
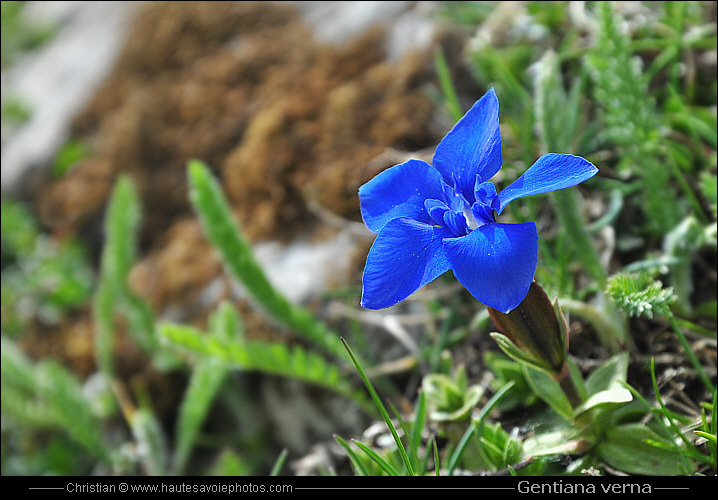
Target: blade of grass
689, 353
451, 99
437, 468
693, 453
659, 421
358, 464
419, 420
710, 437
375, 456
381, 408
471, 430
413, 448
279, 463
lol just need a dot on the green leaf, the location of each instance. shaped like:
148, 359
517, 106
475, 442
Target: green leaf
631, 122
474, 428
279, 463
230, 464
508, 370
386, 466
225, 235
566, 441
680, 243
709, 189
636, 449
68, 156
451, 99
515, 353
497, 448
450, 399
205, 381
419, 423
113, 294
19, 230
640, 295
707, 435
606, 375
615, 395
274, 358
549, 390
150, 440
47, 395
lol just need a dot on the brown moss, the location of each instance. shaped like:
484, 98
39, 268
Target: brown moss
244, 87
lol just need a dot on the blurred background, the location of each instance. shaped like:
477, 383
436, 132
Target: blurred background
292, 106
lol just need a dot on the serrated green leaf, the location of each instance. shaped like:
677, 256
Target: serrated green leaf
640, 295
274, 358
226, 237
113, 295
46, 395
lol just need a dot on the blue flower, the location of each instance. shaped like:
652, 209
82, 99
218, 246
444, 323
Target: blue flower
432, 218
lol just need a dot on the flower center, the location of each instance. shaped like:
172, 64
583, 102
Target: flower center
447, 217
459, 216
483, 208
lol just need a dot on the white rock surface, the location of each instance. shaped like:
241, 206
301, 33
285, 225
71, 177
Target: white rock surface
56, 80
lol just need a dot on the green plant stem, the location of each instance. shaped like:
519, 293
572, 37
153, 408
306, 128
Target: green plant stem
568, 387
689, 353
705, 332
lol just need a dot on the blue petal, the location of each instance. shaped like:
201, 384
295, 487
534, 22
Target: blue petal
400, 191
551, 172
456, 223
472, 147
436, 210
496, 262
405, 256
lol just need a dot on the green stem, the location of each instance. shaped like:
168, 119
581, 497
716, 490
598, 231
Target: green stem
568, 387
689, 353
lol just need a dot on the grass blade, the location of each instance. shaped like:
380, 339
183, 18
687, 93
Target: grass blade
376, 458
476, 422
382, 409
